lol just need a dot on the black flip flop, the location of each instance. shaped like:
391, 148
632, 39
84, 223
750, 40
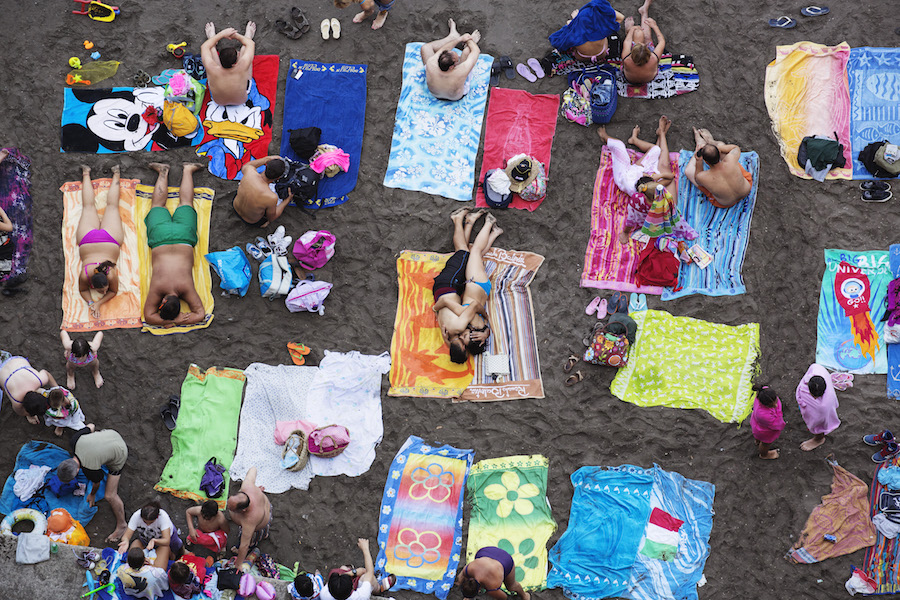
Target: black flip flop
495, 72
169, 412
300, 19
507, 66
286, 29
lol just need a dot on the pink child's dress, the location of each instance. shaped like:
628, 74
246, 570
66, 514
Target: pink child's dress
766, 422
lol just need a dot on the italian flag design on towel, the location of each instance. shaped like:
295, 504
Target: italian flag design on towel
661, 536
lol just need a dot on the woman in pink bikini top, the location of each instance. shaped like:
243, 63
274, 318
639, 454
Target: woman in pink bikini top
98, 243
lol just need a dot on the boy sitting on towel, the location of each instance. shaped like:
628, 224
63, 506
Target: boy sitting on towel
212, 526
140, 579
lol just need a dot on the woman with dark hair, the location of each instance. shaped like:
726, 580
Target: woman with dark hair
818, 405
99, 243
491, 569
151, 529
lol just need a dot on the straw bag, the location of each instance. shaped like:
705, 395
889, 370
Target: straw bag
295, 444
328, 441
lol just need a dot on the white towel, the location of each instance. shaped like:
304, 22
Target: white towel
28, 481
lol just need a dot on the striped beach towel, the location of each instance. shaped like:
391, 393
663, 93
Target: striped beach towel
676, 75
882, 562
874, 80
420, 522
724, 233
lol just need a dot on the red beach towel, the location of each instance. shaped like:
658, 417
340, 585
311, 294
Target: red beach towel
517, 122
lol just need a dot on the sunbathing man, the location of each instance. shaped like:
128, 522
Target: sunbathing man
229, 70
640, 59
446, 72
18, 377
255, 202
172, 238
726, 182
252, 511
584, 35
462, 287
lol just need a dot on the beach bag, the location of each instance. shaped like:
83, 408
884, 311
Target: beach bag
607, 348
882, 161
296, 443
179, 119
537, 189
314, 248
185, 90
308, 296
575, 107
274, 277
233, 270
328, 441
604, 98
867, 158
304, 142
213, 481
300, 180
228, 579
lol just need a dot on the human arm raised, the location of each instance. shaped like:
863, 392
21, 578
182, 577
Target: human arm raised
207, 50
660, 38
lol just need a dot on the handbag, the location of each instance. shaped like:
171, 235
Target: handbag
228, 579
575, 107
607, 348
296, 445
314, 248
328, 441
213, 480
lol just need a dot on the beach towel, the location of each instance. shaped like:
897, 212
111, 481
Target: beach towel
843, 513
435, 142
510, 510
893, 350
44, 500
849, 329
517, 123
235, 135
110, 120
203, 199
882, 561
724, 233
807, 93
124, 310
420, 522
116, 560
207, 428
15, 200
676, 75
608, 264
874, 79
688, 363
595, 20
331, 97
421, 365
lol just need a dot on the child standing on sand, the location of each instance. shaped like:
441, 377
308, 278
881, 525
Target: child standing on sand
368, 9
766, 421
818, 405
81, 353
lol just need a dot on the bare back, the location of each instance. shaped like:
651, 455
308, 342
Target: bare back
446, 85
172, 274
18, 378
254, 196
726, 180
229, 87
256, 516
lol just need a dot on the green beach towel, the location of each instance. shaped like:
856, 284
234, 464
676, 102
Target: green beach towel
688, 363
207, 427
510, 511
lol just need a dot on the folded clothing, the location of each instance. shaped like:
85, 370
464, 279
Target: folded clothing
329, 160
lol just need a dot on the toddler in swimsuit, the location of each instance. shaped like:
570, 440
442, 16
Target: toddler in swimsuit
59, 407
81, 353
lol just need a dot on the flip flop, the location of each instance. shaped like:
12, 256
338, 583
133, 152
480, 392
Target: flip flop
325, 28
592, 307
286, 29
638, 303
574, 378
783, 22
570, 363
525, 72
616, 301
535, 65
814, 11
495, 72
335, 29
506, 66
300, 19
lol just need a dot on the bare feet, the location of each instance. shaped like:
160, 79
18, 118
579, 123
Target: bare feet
604, 137
115, 169
664, 124
644, 10
706, 135
813, 443
116, 536
210, 30
58, 431
474, 216
192, 167
496, 230
476, 36
3, 154
85, 170
698, 139
161, 168
458, 214
634, 135
489, 219
628, 24
360, 17
251, 30
452, 24
70, 381
771, 454
379, 20
98, 380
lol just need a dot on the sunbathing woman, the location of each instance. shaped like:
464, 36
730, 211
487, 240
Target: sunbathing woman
98, 243
492, 569
640, 58
584, 35
18, 377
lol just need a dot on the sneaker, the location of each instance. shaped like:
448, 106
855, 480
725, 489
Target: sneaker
887, 452
872, 186
876, 195
877, 439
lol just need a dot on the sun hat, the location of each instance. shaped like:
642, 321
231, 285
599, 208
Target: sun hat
521, 171
496, 189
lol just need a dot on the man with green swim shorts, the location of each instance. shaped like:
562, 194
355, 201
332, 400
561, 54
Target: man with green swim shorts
172, 237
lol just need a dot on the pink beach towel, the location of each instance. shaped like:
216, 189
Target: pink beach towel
608, 264
517, 123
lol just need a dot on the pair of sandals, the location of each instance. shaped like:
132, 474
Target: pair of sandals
786, 22
169, 412
294, 30
502, 65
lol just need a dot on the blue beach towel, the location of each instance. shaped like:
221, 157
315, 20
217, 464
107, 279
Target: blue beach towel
724, 233
595, 21
41, 454
893, 350
331, 97
874, 75
435, 142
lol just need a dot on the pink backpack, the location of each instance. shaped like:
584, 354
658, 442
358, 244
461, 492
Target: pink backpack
328, 441
314, 248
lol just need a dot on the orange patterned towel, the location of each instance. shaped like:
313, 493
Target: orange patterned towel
124, 310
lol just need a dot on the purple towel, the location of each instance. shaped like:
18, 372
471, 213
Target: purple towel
15, 200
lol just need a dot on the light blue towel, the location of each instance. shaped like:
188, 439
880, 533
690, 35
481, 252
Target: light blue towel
435, 141
874, 75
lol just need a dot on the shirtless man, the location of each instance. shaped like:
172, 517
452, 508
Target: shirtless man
640, 61
212, 528
172, 238
18, 377
255, 202
726, 182
251, 510
230, 69
445, 70
462, 287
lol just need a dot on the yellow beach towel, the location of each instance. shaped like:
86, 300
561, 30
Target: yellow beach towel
124, 310
203, 199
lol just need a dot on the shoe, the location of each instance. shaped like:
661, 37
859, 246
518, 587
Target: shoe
537, 67
287, 29
495, 72
876, 196
887, 452
878, 439
255, 252
814, 11
602, 310
570, 363
263, 246
300, 19
872, 186
592, 307
616, 301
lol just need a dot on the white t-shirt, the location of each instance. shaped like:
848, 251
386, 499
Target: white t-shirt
363, 592
152, 531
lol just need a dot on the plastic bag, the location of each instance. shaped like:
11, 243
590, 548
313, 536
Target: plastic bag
233, 269
308, 295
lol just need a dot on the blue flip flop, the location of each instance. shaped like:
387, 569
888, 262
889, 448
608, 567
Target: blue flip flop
638, 302
784, 22
814, 11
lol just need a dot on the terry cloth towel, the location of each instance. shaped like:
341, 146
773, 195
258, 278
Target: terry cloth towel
893, 350
882, 562
207, 427
874, 79
124, 310
99, 121
724, 233
114, 560
608, 264
676, 75
843, 513
674, 357
420, 523
849, 330
807, 93
331, 97
47, 454
610, 510
517, 123
510, 510
203, 200
819, 414
15, 200
235, 135
595, 20
435, 142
